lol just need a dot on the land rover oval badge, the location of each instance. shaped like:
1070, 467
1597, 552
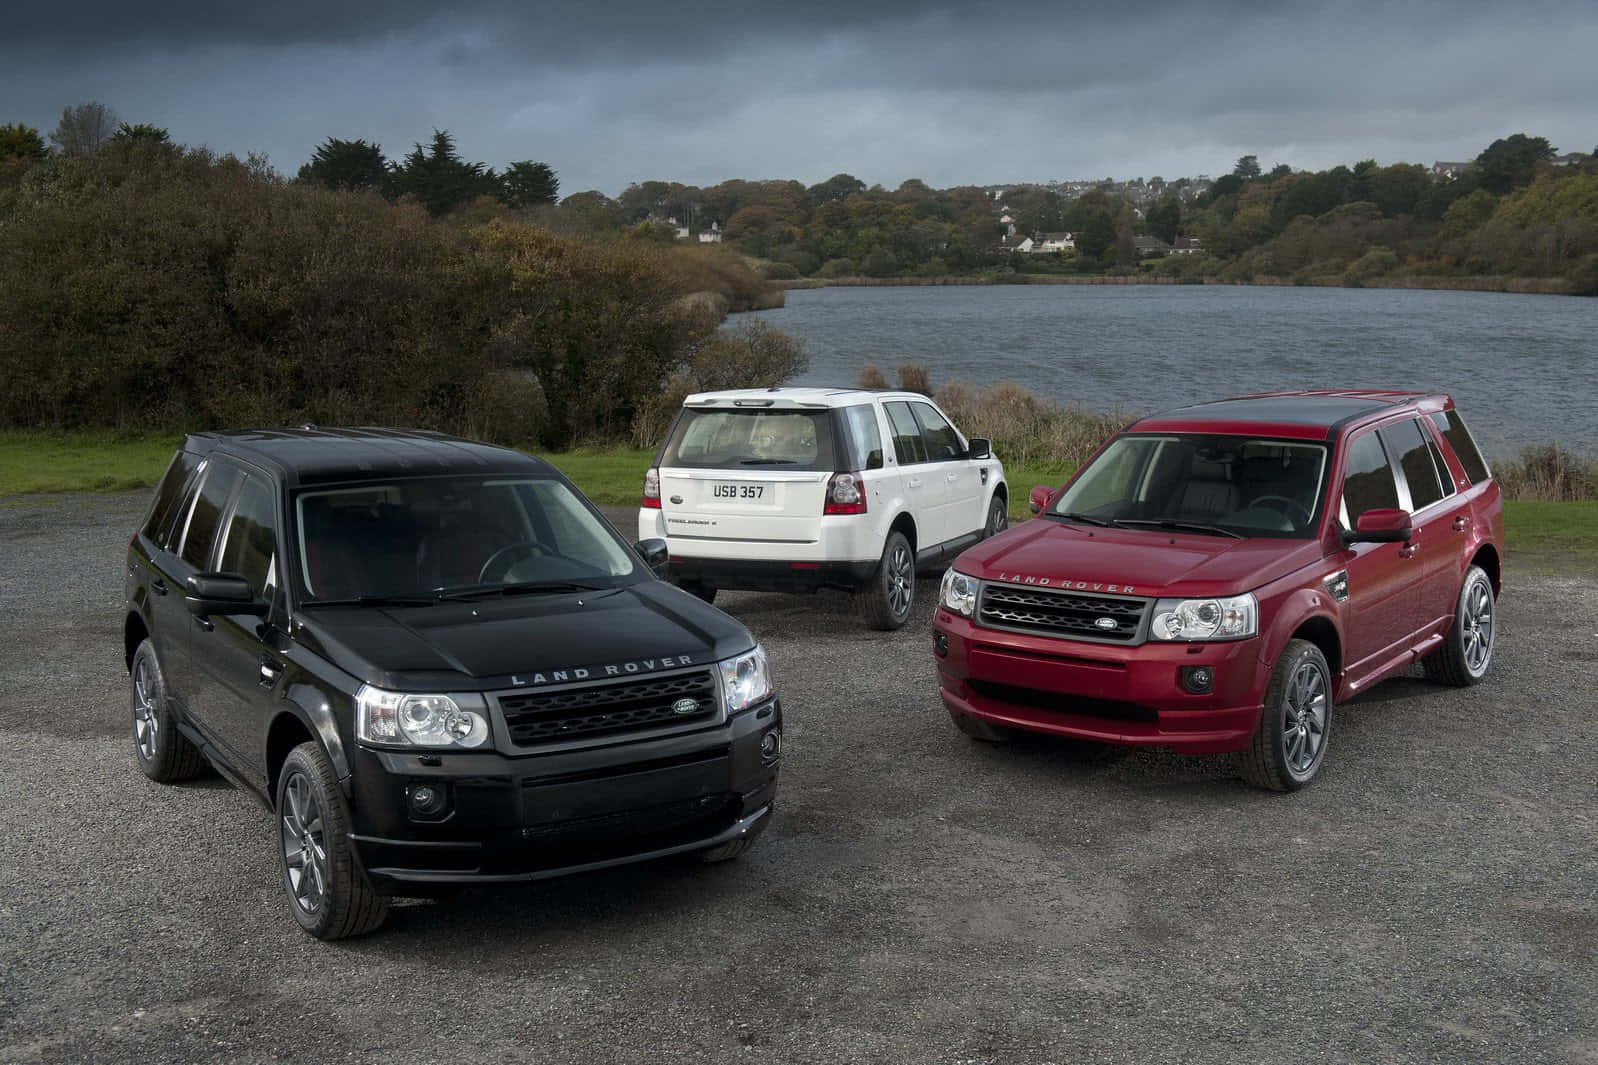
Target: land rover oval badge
1104, 623
685, 706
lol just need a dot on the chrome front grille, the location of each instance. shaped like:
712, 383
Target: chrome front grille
1107, 618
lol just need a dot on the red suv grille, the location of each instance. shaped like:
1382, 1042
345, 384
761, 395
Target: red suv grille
1092, 617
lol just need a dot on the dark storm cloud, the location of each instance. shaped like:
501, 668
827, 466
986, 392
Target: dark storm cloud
1026, 90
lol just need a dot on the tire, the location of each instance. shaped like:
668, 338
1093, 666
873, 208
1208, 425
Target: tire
329, 893
885, 600
998, 517
1467, 651
163, 753
699, 589
1289, 744
978, 729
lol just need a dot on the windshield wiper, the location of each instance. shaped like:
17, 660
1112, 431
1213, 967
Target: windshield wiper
1187, 526
488, 591
768, 462
373, 600
1083, 518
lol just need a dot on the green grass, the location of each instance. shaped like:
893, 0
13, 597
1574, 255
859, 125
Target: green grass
1023, 477
608, 476
1551, 537
81, 462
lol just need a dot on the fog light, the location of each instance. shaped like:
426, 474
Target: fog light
426, 800
771, 747
940, 644
1198, 679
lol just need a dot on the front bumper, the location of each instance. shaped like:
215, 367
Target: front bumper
1100, 691
531, 817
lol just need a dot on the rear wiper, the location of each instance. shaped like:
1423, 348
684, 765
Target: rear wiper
768, 462
1185, 526
373, 600
488, 591
1083, 518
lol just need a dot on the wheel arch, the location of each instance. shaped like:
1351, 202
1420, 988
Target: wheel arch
1321, 630
306, 714
1487, 558
134, 632
905, 524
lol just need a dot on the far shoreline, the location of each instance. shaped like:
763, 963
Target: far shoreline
1524, 286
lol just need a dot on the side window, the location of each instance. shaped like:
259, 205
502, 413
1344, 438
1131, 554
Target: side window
168, 494
1367, 479
200, 532
907, 444
1453, 429
250, 546
943, 443
1407, 440
862, 423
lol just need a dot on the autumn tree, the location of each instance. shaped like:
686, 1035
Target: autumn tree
83, 128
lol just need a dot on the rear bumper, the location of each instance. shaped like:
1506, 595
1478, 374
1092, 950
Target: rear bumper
769, 576
1101, 692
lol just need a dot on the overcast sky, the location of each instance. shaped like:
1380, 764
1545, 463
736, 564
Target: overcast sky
617, 91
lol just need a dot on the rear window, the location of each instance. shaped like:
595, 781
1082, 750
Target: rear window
1453, 429
730, 439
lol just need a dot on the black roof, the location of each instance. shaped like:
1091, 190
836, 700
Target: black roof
311, 455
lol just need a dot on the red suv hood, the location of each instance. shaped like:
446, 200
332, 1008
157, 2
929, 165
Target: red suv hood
1150, 562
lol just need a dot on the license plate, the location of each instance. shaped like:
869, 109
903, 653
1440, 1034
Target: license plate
738, 490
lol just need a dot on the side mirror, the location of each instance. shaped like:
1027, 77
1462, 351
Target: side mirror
655, 553
1041, 494
1384, 525
222, 593
979, 448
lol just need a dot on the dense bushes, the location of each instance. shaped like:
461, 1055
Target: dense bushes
1548, 472
148, 287
755, 356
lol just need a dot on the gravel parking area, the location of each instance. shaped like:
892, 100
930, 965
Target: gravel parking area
1433, 897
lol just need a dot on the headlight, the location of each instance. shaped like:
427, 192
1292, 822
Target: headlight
745, 680
421, 720
1205, 619
959, 592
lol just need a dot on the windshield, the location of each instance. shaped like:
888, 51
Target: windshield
424, 536
1228, 485
730, 439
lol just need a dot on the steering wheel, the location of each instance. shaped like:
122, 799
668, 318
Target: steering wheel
1288, 508
512, 553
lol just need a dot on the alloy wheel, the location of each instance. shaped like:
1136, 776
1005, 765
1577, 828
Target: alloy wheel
901, 579
146, 722
998, 520
1304, 725
1478, 622
304, 844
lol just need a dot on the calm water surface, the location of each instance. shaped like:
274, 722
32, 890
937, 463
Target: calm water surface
1523, 369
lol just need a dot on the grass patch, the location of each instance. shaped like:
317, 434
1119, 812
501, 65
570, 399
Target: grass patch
1545, 537
610, 477
81, 462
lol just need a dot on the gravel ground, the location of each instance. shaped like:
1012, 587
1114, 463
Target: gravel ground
919, 898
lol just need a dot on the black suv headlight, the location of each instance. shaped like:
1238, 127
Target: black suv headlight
417, 720
745, 680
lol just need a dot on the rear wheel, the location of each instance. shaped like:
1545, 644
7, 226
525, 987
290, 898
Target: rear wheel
329, 892
1467, 650
164, 754
700, 589
1289, 744
885, 599
998, 517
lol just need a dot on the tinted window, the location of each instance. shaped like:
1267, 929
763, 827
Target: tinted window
1464, 445
862, 423
250, 546
167, 495
1408, 441
1367, 480
720, 439
943, 443
907, 445
200, 533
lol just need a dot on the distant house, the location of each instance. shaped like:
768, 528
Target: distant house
1008, 223
1186, 246
711, 235
1009, 244
1570, 159
1053, 242
1150, 246
1448, 171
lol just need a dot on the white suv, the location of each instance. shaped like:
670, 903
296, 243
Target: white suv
793, 489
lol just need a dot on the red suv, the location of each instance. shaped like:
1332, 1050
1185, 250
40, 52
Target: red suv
1215, 578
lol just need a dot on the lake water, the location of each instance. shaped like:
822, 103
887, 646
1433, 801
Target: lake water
1523, 369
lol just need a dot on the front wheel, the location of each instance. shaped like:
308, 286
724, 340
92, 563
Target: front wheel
329, 892
885, 600
1467, 650
1289, 744
998, 517
699, 589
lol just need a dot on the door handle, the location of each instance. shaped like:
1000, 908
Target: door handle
1409, 549
158, 586
914, 482
953, 477
1461, 523
270, 671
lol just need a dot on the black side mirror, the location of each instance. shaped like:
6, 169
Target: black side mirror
222, 593
655, 553
979, 447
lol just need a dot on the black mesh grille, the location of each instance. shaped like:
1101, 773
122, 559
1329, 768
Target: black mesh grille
1062, 613
541, 717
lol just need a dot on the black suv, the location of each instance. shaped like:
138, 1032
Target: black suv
438, 664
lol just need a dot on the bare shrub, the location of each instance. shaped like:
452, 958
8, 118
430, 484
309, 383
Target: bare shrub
1548, 472
1024, 427
871, 377
914, 377
755, 356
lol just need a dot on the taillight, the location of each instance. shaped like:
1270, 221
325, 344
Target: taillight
651, 499
846, 494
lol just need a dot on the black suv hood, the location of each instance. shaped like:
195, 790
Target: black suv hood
522, 640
